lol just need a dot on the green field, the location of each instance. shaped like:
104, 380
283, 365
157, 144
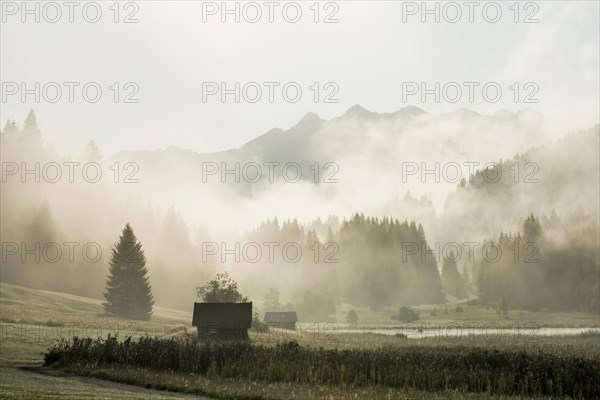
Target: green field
33, 321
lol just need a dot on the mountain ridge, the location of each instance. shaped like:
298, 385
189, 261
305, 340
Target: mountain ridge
311, 120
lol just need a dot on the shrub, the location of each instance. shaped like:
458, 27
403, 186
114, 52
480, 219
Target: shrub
407, 314
352, 318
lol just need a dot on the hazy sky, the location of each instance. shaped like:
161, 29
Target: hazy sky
368, 54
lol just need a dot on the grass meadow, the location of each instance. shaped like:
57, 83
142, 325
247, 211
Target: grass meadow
162, 354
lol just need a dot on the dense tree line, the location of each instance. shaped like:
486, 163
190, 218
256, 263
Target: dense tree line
379, 269
365, 263
544, 269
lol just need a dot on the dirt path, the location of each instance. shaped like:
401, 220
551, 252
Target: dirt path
37, 369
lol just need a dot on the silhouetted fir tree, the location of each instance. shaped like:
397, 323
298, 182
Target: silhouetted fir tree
128, 292
91, 153
31, 134
421, 232
329, 238
484, 283
42, 228
311, 239
465, 276
10, 131
532, 230
452, 281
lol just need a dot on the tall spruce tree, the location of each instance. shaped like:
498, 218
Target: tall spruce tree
91, 153
128, 292
31, 134
452, 281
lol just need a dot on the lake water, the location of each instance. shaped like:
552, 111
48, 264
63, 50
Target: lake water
458, 331
449, 330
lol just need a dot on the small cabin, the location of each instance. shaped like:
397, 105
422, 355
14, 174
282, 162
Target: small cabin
283, 320
222, 321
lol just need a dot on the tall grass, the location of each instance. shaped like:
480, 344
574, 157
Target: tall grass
518, 371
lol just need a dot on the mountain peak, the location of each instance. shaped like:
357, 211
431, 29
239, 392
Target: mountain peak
358, 111
409, 111
309, 118
310, 121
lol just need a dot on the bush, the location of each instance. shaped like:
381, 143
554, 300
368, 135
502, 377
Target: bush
407, 314
352, 318
459, 309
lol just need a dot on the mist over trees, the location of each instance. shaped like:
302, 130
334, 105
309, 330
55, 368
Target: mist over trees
378, 268
363, 263
453, 282
356, 260
560, 176
66, 228
538, 272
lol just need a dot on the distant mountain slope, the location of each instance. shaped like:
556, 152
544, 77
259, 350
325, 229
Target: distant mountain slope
560, 176
313, 137
368, 148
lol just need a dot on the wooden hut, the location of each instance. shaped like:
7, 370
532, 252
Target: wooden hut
283, 320
222, 321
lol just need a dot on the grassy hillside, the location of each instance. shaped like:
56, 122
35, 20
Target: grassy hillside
33, 320
23, 305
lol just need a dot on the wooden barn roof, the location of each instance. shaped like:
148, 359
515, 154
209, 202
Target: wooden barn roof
230, 313
281, 317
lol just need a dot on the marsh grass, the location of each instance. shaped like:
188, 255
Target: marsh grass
504, 370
